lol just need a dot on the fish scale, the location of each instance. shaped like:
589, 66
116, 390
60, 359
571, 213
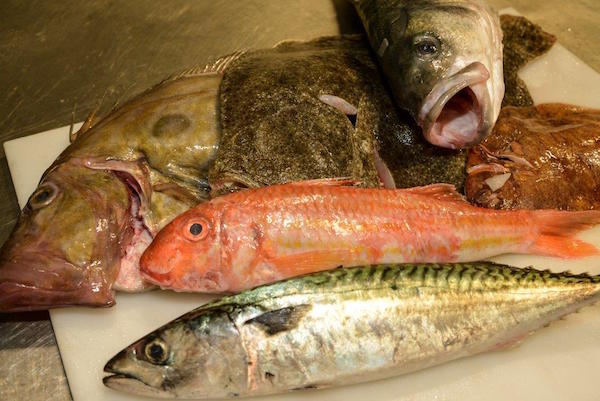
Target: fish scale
268, 234
346, 326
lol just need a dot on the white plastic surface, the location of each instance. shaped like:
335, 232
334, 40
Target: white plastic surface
557, 363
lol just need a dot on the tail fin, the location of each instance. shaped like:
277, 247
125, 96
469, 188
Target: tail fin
557, 232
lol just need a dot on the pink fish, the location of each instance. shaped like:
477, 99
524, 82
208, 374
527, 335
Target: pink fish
258, 236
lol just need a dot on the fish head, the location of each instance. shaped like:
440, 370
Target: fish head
443, 62
63, 250
186, 254
196, 356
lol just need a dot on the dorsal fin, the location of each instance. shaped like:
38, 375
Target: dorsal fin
445, 192
328, 182
217, 67
87, 124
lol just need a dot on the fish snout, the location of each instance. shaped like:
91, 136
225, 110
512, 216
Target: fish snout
458, 112
155, 268
129, 374
30, 285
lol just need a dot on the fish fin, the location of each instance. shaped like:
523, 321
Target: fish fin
328, 182
87, 124
445, 192
557, 231
308, 262
279, 320
383, 172
340, 104
72, 135
217, 67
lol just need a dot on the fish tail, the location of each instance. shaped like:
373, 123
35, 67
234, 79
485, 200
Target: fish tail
557, 230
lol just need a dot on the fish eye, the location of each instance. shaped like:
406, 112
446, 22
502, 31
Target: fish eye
43, 195
157, 351
196, 229
426, 45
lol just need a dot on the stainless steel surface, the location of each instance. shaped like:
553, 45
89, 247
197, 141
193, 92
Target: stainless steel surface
57, 56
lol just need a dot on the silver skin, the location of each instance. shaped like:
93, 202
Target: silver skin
345, 326
443, 62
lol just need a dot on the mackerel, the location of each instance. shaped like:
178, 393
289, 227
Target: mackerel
345, 326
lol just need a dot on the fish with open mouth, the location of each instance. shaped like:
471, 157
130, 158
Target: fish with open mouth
317, 109
345, 326
98, 206
257, 236
443, 62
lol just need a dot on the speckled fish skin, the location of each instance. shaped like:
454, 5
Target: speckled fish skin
443, 62
523, 42
253, 237
345, 326
276, 128
98, 206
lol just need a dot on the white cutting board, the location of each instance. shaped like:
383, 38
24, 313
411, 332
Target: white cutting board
558, 363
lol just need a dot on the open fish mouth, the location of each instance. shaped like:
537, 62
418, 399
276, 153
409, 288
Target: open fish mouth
20, 297
457, 113
139, 237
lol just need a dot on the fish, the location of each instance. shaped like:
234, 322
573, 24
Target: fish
345, 326
98, 206
252, 237
523, 42
443, 62
317, 109
549, 155
298, 111
126, 175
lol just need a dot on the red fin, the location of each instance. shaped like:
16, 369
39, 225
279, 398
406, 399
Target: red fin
557, 229
308, 262
445, 192
328, 182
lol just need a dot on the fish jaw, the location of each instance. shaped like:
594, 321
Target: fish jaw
33, 279
43, 291
458, 112
133, 376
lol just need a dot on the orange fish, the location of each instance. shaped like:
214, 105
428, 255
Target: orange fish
257, 236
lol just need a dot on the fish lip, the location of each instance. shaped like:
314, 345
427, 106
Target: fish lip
12, 291
115, 382
472, 77
109, 367
129, 382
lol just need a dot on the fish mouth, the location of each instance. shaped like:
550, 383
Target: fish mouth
128, 382
20, 297
458, 112
137, 239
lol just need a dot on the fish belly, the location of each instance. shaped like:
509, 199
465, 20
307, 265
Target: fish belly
369, 335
